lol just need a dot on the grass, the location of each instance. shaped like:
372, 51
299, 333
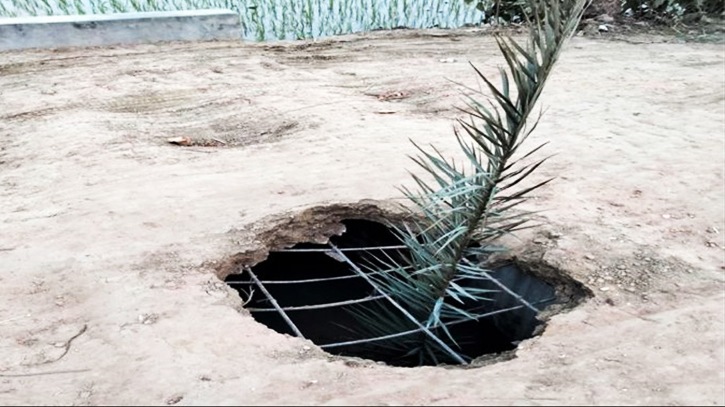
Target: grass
264, 20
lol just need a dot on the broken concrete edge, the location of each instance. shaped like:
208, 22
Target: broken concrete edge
118, 29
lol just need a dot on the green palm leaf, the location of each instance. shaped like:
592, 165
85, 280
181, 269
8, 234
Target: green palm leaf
467, 210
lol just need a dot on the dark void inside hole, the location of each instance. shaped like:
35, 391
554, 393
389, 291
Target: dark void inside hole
304, 278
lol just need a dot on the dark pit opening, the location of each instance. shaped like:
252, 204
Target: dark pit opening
313, 286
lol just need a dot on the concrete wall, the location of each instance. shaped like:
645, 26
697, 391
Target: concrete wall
114, 29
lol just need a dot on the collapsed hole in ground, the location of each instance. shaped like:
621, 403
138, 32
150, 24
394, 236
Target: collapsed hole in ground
318, 292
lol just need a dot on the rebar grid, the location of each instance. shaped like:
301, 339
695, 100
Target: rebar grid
412, 331
358, 273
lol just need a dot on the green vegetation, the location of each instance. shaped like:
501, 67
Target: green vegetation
673, 10
469, 204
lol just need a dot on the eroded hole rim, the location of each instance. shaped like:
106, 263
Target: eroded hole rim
568, 293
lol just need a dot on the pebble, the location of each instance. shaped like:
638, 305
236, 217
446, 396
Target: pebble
666, 216
148, 319
603, 28
589, 257
603, 288
174, 399
621, 267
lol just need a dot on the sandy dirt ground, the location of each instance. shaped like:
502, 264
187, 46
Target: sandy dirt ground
112, 241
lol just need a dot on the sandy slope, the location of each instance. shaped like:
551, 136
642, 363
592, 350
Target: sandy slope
104, 225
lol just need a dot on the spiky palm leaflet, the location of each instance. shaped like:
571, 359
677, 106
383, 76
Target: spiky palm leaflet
468, 207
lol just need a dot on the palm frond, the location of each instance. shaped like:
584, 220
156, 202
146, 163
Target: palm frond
467, 208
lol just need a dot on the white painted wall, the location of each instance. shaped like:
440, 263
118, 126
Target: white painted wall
113, 29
